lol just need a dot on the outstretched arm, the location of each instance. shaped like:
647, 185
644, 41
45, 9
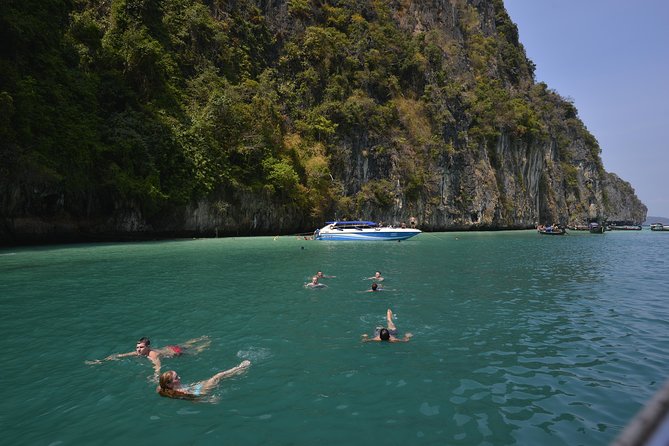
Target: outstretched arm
404, 339
366, 338
113, 357
155, 359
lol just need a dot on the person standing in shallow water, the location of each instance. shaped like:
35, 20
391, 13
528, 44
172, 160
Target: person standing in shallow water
143, 348
170, 383
388, 333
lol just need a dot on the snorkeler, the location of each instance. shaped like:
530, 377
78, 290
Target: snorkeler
170, 383
143, 348
387, 333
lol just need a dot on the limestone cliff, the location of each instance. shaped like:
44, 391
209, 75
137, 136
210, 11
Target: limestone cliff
269, 117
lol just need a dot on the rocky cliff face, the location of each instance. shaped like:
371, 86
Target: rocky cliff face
621, 203
473, 143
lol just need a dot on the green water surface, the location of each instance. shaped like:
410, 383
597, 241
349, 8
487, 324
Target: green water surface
518, 339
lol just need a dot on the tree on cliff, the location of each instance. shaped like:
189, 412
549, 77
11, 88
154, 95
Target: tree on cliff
317, 109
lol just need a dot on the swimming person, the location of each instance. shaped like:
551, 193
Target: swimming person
377, 287
143, 348
170, 383
320, 275
314, 283
387, 333
377, 276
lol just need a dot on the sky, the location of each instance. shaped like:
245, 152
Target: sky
611, 58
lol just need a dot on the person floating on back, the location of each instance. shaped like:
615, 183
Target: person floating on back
170, 383
388, 333
143, 348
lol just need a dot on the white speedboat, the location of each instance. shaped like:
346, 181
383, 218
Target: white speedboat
659, 227
362, 230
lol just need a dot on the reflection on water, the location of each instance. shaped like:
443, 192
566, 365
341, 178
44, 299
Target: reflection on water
518, 339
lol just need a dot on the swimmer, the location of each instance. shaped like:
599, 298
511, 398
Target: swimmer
377, 287
377, 276
314, 283
320, 275
143, 348
170, 383
387, 334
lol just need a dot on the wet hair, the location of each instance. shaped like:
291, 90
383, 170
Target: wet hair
375, 286
166, 379
144, 340
384, 334
165, 389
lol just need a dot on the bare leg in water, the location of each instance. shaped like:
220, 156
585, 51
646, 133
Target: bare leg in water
389, 319
214, 380
197, 344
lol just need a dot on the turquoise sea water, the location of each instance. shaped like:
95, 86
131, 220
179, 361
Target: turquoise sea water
518, 339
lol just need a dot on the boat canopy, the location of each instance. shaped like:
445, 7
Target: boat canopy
351, 223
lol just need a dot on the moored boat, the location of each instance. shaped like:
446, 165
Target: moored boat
596, 228
362, 230
551, 230
624, 228
659, 227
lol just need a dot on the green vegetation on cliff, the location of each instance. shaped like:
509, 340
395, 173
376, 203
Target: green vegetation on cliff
322, 106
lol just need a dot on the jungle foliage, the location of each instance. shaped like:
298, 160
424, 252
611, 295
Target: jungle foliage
160, 102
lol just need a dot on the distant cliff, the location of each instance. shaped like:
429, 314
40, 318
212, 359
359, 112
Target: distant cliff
147, 118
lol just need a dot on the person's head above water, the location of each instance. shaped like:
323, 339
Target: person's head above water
384, 334
169, 385
375, 286
169, 380
143, 346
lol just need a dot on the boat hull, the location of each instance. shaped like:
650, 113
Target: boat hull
366, 235
362, 230
624, 228
596, 228
550, 230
